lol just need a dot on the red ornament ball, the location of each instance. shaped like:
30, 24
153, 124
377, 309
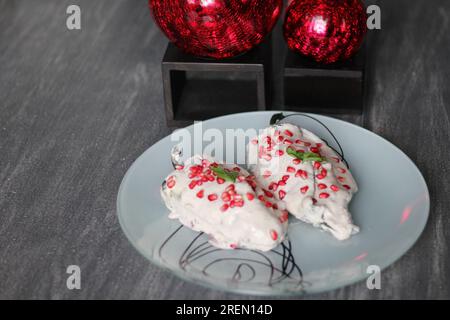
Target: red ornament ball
325, 30
216, 28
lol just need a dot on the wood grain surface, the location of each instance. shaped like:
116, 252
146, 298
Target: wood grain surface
78, 107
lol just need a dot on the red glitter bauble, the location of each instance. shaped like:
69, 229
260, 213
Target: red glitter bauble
216, 28
325, 30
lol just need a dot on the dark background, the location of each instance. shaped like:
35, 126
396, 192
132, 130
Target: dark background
77, 107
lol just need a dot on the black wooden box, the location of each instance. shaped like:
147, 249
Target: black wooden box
319, 88
198, 89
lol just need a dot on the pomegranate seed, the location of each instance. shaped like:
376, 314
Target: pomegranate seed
302, 173
346, 186
225, 197
204, 178
304, 189
281, 194
268, 204
285, 177
275, 206
281, 183
239, 203
307, 144
290, 169
252, 184
261, 198
318, 145
170, 184
212, 197
322, 186
297, 161
314, 201
298, 141
267, 174
280, 138
324, 195
210, 178
232, 193
287, 141
342, 170
192, 185
336, 159
224, 207
199, 182
205, 163
273, 186
341, 179
284, 216
200, 194
288, 133
334, 188
314, 149
322, 174
273, 234
230, 187
232, 203
261, 151
317, 165
241, 178
250, 196
220, 180
233, 246
236, 169
280, 152
237, 197
191, 175
268, 193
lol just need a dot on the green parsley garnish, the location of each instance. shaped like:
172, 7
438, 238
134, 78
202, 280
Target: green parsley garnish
225, 175
305, 156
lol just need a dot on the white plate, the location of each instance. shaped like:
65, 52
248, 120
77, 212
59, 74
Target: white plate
391, 209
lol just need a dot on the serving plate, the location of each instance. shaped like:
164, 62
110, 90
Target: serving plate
391, 208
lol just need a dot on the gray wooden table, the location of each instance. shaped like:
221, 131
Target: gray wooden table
77, 107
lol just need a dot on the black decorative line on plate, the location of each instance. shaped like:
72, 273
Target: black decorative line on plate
276, 118
193, 252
